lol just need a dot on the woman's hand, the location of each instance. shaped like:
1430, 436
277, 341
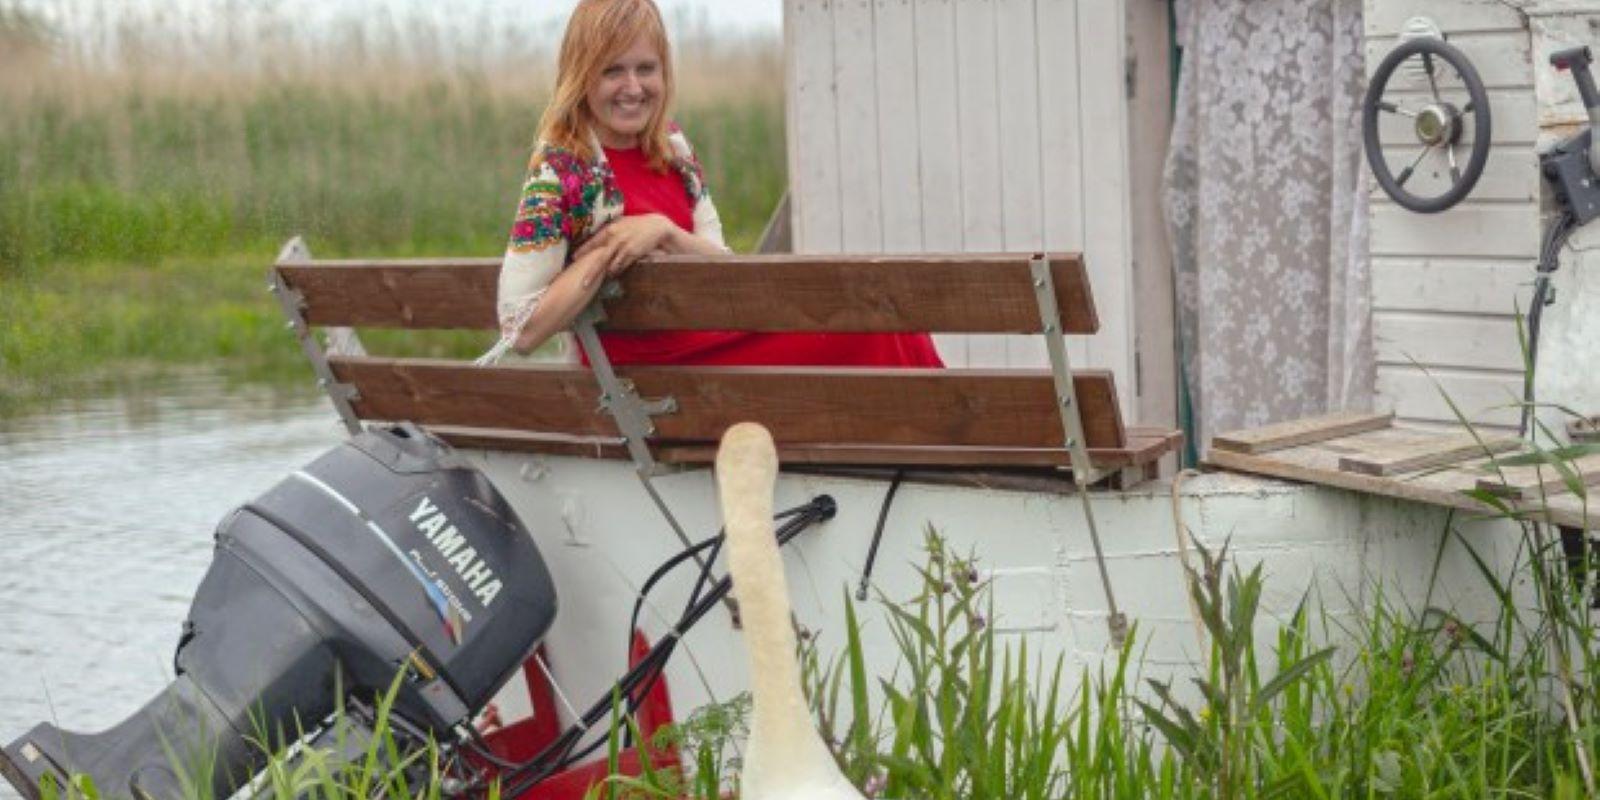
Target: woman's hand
625, 241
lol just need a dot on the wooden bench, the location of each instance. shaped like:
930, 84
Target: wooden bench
674, 415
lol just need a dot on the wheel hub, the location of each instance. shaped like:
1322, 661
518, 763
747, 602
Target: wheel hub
1439, 123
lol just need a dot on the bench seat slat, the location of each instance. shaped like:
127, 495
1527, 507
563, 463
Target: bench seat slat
964, 293
1143, 448
897, 407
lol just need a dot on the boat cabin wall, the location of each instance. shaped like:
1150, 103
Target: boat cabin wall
1447, 287
995, 125
602, 536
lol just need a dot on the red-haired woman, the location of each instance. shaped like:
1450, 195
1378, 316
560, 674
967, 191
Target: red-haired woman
613, 180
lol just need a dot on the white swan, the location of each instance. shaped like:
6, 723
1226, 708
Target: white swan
784, 758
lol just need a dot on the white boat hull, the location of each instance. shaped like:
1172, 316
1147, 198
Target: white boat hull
602, 536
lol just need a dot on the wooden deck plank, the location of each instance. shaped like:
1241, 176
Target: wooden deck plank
1533, 482
1318, 463
1584, 431
1299, 432
957, 293
1436, 451
895, 407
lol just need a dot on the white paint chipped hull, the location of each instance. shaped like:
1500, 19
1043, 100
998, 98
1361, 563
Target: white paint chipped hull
602, 537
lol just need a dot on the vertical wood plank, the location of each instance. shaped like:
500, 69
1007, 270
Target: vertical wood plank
855, 80
813, 111
900, 181
938, 131
977, 86
1017, 92
1021, 192
1103, 126
1060, 146
1149, 127
981, 191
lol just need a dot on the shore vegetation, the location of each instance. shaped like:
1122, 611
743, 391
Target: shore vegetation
151, 166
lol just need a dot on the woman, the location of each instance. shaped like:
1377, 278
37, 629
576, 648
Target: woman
613, 181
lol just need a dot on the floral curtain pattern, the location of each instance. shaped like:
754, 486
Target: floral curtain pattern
1266, 203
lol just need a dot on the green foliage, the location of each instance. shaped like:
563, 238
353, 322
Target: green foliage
136, 230
1405, 705
433, 168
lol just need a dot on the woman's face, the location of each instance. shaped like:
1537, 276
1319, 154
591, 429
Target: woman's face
627, 95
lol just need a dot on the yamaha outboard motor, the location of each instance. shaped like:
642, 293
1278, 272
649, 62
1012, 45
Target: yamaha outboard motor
387, 556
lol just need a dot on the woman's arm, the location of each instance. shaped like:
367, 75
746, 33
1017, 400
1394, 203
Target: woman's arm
562, 301
575, 286
627, 240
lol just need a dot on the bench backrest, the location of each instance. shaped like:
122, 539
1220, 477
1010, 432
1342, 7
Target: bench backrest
943, 294
873, 416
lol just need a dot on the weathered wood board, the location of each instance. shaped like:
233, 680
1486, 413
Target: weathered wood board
1432, 452
962, 293
833, 406
1536, 481
1145, 447
1299, 432
1450, 485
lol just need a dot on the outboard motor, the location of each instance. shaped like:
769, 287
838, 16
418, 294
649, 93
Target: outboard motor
387, 556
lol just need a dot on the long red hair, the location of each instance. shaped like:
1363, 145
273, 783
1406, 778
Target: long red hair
599, 32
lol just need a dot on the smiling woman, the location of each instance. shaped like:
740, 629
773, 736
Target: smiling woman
613, 181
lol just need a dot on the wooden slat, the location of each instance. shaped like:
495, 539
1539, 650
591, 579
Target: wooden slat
947, 293
418, 293
1584, 431
1318, 462
1533, 482
1434, 452
1013, 408
1298, 432
1141, 450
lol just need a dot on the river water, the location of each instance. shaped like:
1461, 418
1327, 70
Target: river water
106, 512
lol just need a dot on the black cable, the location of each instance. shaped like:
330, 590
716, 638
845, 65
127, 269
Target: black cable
642, 676
820, 507
877, 534
1555, 239
649, 668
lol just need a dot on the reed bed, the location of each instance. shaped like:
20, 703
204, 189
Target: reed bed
148, 158
1396, 703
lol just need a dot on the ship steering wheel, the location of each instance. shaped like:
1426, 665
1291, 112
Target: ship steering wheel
1452, 114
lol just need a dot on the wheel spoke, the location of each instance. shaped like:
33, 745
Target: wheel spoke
1427, 64
1405, 174
1468, 108
1455, 171
1385, 105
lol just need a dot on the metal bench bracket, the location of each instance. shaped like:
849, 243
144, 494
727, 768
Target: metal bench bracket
633, 414
1084, 473
343, 395
617, 396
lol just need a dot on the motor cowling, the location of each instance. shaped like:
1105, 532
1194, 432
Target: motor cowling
387, 556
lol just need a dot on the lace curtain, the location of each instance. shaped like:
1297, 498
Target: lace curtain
1266, 205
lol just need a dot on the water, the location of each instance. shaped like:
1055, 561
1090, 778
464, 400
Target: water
106, 513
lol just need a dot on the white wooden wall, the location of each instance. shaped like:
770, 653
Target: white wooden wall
1446, 286
987, 126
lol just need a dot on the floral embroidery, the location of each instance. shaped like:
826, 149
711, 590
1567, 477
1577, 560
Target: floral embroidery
559, 199
694, 178
563, 194
687, 166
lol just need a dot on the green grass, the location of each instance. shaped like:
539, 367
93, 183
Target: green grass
136, 230
1398, 704
432, 169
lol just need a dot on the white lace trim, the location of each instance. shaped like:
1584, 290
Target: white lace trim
510, 330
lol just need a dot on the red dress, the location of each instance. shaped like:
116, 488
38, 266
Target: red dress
646, 191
